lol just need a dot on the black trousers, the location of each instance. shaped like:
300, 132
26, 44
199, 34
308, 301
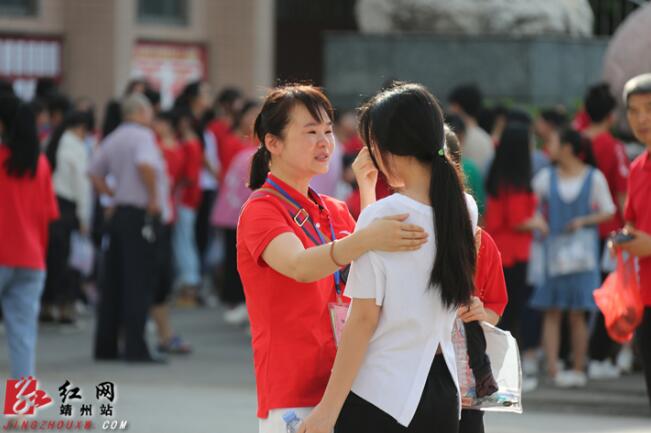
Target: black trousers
62, 282
643, 341
202, 226
233, 293
127, 285
164, 276
519, 293
472, 421
437, 411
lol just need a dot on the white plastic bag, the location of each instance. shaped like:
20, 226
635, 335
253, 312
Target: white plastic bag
503, 352
571, 253
82, 254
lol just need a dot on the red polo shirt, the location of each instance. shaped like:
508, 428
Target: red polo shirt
293, 344
192, 163
27, 206
613, 163
173, 157
489, 276
228, 144
505, 212
638, 212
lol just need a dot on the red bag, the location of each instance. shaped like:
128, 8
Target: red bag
620, 301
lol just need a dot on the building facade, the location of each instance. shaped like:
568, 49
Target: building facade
93, 47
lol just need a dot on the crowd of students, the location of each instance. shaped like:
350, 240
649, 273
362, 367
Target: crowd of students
479, 205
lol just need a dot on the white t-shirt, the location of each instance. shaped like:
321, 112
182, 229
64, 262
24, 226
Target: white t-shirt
70, 178
569, 189
413, 321
478, 147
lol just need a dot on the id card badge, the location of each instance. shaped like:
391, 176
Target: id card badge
338, 314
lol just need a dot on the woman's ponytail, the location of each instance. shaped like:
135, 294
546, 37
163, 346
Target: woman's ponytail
259, 167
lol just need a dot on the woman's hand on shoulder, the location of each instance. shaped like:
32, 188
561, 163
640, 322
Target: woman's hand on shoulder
392, 234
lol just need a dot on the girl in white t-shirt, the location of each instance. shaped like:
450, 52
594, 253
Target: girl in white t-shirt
575, 199
395, 368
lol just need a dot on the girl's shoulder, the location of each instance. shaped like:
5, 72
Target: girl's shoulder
390, 205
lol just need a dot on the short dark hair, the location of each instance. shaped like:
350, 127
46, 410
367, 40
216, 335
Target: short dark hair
153, 95
637, 86
468, 97
58, 103
580, 145
555, 117
599, 102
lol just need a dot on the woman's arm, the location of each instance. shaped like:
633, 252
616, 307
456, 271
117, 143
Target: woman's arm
589, 220
287, 255
360, 326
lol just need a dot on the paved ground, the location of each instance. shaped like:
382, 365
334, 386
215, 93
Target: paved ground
213, 390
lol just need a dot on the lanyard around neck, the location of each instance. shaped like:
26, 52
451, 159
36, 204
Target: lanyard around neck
301, 212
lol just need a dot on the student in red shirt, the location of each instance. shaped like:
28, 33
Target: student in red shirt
609, 152
612, 161
637, 213
230, 102
288, 259
169, 342
28, 207
232, 196
509, 218
187, 200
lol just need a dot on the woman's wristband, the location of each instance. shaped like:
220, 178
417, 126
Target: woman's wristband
332, 254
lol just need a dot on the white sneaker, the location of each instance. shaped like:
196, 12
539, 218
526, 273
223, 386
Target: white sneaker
571, 379
529, 384
625, 359
530, 366
237, 316
602, 370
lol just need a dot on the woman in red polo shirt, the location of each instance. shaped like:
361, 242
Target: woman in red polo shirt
28, 207
509, 218
286, 252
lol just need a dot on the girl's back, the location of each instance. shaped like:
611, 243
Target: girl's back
413, 322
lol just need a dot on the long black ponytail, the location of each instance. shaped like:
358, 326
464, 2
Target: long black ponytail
406, 120
20, 136
274, 117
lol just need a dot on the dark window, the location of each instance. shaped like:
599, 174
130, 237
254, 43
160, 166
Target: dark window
163, 11
18, 7
300, 26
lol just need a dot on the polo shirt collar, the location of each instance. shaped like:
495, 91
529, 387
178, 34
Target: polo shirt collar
313, 205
